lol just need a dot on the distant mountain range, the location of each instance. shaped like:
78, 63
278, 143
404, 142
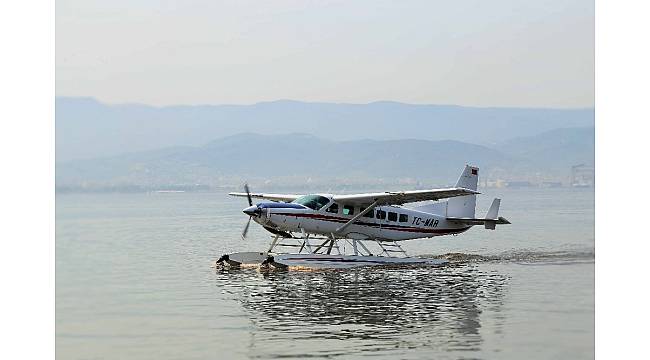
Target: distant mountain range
299, 158
553, 150
86, 128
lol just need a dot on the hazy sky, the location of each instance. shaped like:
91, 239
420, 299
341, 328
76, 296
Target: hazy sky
485, 53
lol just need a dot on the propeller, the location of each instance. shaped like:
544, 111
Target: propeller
256, 211
248, 194
250, 217
245, 232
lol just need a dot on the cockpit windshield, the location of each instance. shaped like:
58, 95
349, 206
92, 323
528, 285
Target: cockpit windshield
314, 202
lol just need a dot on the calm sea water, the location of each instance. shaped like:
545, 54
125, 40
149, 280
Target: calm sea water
134, 280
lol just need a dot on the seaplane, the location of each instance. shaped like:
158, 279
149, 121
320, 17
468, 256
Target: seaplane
333, 231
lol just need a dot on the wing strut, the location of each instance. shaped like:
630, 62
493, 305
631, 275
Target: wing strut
365, 211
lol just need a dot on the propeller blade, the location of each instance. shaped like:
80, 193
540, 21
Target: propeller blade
243, 233
248, 195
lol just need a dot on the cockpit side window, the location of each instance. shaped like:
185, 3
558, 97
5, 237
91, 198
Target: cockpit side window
334, 208
348, 210
314, 202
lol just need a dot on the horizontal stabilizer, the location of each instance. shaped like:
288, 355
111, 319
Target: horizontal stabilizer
491, 219
489, 223
469, 221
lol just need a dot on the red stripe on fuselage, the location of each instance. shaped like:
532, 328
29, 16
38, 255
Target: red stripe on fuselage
382, 226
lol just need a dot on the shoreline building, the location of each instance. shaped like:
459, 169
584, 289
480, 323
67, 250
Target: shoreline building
582, 176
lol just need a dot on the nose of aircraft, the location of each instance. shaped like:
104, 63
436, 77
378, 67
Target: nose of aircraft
251, 210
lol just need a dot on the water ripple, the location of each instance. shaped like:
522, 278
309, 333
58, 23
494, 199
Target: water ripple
522, 256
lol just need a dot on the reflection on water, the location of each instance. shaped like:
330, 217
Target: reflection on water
368, 310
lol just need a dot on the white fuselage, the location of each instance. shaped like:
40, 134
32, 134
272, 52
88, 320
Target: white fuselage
390, 223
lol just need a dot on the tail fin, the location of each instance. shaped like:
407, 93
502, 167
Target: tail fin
464, 206
469, 178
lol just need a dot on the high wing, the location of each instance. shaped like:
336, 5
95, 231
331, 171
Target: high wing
402, 197
272, 197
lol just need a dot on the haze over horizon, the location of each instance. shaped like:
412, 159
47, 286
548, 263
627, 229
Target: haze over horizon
486, 54
369, 102
87, 128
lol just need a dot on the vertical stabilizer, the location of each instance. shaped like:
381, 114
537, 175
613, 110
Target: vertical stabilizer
469, 178
464, 206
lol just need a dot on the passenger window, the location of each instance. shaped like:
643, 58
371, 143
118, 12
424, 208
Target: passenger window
348, 210
381, 214
392, 216
403, 218
334, 208
369, 214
